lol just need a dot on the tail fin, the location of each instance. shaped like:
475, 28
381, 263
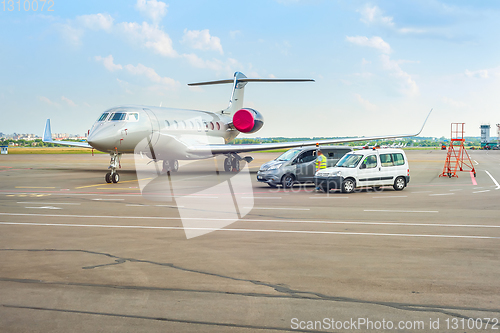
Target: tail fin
239, 81
47, 133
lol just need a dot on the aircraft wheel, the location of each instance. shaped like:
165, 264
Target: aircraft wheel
227, 164
174, 165
108, 177
348, 185
115, 178
399, 183
236, 165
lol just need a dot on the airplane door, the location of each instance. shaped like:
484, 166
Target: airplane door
155, 126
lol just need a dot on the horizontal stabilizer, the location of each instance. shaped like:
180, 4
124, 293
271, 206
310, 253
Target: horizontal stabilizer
47, 137
249, 80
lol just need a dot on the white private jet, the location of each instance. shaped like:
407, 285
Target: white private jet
178, 134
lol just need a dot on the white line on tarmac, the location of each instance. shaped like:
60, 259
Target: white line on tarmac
279, 208
44, 207
441, 194
457, 189
328, 197
476, 162
390, 196
134, 205
494, 180
260, 220
481, 191
47, 203
401, 211
99, 199
247, 230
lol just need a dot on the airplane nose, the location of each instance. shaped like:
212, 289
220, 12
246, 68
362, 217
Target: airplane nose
98, 139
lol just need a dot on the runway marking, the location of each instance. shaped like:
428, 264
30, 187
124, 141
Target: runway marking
401, 211
44, 207
441, 194
473, 178
390, 196
278, 208
247, 230
47, 203
121, 182
258, 220
328, 197
494, 180
100, 199
475, 162
33, 187
117, 188
481, 191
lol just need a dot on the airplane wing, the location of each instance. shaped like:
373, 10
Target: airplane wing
47, 137
226, 149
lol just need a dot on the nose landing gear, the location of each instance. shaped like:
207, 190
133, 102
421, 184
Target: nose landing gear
113, 176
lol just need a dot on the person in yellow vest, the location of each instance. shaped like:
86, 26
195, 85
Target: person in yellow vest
320, 164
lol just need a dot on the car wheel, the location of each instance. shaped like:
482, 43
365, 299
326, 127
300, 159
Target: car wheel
348, 185
287, 181
399, 183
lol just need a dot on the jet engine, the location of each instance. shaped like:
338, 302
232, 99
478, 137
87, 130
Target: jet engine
248, 120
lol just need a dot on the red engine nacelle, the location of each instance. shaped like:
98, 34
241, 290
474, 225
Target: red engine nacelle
248, 120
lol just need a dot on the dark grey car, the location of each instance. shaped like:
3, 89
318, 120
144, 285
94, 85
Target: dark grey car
298, 165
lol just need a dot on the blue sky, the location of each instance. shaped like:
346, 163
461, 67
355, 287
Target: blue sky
379, 66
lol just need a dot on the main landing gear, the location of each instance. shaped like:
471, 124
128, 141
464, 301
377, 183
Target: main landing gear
113, 176
170, 165
232, 162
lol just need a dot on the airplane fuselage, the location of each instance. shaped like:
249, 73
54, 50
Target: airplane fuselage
121, 129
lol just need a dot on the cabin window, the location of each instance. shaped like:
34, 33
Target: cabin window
175, 124
103, 116
132, 116
167, 124
212, 126
118, 116
190, 125
218, 126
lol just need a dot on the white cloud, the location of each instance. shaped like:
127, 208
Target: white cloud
454, 103
370, 15
150, 36
108, 63
153, 9
373, 15
68, 101
374, 42
71, 34
409, 85
47, 101
366, 104
151, 74
481, 74
96, 21
228, 67
201, 40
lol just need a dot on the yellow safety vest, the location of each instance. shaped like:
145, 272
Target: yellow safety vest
321, 162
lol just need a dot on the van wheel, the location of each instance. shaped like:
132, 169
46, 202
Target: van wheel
399, 183
348, 185
287, 181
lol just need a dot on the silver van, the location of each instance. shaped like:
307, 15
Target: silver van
298, 165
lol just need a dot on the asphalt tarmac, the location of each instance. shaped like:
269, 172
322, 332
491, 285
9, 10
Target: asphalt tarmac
206, 251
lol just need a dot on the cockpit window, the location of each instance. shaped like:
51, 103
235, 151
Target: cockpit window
132, 116
118, 116
103, 116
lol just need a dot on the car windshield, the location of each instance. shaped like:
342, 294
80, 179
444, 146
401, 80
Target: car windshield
349, 161
287, 156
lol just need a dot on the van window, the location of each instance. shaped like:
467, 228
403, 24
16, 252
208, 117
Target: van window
349, 161
370, 161
287, 156
392, 159
307, 156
